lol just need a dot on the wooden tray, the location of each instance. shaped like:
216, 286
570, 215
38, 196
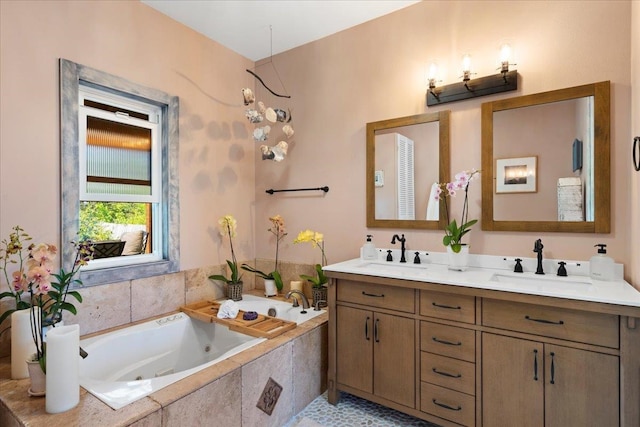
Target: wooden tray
262, 327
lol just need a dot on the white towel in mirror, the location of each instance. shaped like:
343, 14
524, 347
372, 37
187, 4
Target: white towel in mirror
433, 205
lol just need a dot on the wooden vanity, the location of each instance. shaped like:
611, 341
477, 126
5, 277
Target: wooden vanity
467, 356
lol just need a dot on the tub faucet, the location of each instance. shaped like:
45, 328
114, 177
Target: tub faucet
402, 241
537, 247
305, 301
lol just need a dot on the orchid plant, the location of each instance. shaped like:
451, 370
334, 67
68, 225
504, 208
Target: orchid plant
317, 240
227, 226
47, 291
278, 230
453, 231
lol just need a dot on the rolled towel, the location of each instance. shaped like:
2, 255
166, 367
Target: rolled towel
228, 310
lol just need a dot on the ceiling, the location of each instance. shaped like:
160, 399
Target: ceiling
257, 29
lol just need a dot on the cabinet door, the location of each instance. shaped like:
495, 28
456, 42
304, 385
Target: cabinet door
581, 388
394, 372
512, 382
354, 348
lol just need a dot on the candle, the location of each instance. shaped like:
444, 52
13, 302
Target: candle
22, 345
296, 285
63, 369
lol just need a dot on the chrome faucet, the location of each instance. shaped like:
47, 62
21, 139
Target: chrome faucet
402, 241
305, 301
537, 247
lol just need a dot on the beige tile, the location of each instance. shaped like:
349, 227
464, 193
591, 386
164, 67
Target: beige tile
156, 295
154, 419
184, 387
199, 287
277, 365
102, 307
217, 404
310, 363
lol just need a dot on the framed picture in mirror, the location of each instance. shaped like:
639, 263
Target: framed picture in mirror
516, 175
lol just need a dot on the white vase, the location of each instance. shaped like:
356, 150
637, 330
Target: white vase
458, 261
22, 345
37, 376
270, 289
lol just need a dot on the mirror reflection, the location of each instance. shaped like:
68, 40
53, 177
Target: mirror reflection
405, 157
546, 161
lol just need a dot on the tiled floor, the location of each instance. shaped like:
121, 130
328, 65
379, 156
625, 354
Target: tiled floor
352, 411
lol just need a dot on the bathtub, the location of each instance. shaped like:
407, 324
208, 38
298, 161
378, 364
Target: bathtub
130, 363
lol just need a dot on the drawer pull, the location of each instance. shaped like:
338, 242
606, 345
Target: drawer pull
535, 365
375, 331
372, 295
553, 368
449, 307
445, 342
366, 329
549, 322
446, 374
451, 408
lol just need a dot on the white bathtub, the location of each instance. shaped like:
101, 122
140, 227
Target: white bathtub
133, 362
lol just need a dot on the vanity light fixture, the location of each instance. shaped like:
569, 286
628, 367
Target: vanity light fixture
476, 87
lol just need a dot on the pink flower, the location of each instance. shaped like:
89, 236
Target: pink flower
39, 276
19, 281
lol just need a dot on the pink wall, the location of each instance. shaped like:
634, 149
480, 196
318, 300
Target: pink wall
634, 234
133, 41
377, 70
372, 72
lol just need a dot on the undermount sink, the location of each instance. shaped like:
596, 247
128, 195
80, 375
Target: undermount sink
538, 280
390, 266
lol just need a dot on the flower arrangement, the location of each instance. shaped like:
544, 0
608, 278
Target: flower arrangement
47, 297
227, 227
278, 230
317, 240
453, 232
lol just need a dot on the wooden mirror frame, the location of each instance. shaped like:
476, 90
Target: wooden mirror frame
602, 167
443, 119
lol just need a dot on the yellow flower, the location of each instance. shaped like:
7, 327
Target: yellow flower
309, 236
228, 226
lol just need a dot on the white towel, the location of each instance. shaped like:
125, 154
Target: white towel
228, 310
433, 205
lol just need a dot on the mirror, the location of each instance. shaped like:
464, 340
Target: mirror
546, 161
405, 156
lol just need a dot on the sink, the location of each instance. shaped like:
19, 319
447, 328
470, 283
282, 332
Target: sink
532, 279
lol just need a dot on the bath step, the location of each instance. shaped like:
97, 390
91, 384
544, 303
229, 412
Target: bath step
262, 327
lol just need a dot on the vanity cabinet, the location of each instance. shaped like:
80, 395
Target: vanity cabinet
464, 356
376, 349
529, 382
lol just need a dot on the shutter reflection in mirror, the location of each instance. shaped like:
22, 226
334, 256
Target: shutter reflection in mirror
406, 196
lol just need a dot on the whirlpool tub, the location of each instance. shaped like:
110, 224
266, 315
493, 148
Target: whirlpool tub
130, 363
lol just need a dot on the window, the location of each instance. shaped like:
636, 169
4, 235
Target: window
119, 175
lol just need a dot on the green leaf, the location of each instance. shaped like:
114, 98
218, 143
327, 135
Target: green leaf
278, 280
69, 307
219, 277
6, 314
76, 295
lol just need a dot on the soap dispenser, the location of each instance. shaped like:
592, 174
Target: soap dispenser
369, 251
601, 266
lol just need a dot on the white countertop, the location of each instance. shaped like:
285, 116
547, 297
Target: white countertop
496, 273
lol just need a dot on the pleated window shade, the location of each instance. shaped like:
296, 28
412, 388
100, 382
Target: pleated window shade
118, 158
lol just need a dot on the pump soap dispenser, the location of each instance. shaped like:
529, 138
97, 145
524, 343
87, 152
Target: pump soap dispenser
601, 266
369, 251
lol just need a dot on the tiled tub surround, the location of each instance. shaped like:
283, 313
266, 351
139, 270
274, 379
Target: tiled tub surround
223, 394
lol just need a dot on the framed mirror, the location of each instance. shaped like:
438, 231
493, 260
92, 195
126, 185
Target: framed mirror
546, 161
405, 157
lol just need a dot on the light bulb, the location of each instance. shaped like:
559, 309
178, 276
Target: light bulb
466, 63
433, 71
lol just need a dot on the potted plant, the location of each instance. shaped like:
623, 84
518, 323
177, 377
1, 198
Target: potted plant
272, 279
319, 281
47, 297
227, 227
452, 240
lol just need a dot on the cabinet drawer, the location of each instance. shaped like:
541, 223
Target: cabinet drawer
448, 404
374, 295
461, 308
572, 325
447, 372
448, 341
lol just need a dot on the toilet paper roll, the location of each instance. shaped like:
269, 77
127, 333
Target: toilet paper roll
22, 345
63, 369
296, 285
